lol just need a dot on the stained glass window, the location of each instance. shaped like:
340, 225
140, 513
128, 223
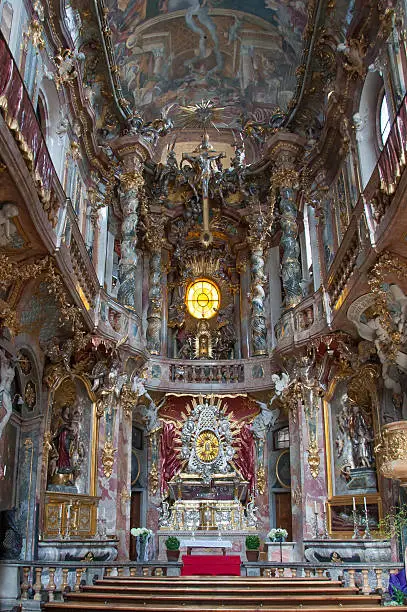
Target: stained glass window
203, 299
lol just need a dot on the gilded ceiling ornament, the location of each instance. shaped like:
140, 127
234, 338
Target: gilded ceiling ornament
35, 33
108, 457
354, 51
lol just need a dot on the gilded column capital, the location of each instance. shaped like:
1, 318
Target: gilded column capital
132, 180
133, 151
155, 232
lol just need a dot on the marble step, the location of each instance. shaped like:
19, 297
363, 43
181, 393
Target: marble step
298, 599
251, 589
113, 607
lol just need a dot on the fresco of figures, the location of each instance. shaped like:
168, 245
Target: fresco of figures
241, 56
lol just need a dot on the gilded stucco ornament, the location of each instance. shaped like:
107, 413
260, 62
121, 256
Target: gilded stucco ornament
108, 457
314, 459
391, 451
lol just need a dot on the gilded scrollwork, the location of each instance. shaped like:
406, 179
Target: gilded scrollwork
108, 455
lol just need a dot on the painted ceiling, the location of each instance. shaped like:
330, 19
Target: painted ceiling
239, 53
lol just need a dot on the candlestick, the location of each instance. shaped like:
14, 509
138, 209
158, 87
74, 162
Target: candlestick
356, 532
367, 535
316, 530
325, 533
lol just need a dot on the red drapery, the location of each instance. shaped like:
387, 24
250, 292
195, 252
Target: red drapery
169, 462
244, 459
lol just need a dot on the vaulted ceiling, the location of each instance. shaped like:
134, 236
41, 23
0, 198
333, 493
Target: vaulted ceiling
240, 54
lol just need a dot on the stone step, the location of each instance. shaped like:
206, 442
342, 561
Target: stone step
287, 607
228, 599
176, 589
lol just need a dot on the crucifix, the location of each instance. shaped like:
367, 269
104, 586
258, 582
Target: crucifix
205, 161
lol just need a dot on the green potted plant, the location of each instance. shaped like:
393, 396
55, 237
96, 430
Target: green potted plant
172, 545
252, 547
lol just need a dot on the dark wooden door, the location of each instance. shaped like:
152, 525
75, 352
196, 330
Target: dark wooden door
135, 519
283, 512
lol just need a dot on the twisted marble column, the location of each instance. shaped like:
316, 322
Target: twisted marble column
257, 231
154, 238
132, 184
290, 265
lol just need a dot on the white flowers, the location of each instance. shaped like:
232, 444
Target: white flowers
141, 532
277, 534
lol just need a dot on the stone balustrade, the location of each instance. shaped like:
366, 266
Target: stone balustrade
197, 375
299, 324
38, 582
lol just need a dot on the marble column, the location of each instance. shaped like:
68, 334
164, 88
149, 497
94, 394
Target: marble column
256, 240
290, 264
133, 151
131, 184
284, 150
154, 239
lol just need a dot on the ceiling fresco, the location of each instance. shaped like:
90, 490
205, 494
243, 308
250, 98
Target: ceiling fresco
238, 53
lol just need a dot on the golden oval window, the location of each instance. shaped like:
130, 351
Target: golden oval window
203, 299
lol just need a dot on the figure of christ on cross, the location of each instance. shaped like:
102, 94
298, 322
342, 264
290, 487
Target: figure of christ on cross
205, 163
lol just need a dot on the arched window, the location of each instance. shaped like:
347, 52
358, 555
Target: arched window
384, 121
41, 113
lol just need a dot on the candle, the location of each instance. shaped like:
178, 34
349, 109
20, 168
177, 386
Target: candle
354, 504
315, 507
324, 507
364, 501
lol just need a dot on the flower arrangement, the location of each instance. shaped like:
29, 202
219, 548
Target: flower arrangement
277, 535
141, 532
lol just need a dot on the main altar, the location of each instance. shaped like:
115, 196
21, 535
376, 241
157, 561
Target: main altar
210, 490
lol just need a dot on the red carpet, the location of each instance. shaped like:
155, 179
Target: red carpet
210, 565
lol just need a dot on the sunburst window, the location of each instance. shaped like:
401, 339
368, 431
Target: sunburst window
203, 299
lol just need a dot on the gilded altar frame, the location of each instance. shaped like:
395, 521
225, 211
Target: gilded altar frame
70, 514
365, 382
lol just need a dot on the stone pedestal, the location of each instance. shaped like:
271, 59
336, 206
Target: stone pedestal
9, 585
347, 551
78, 550
281, 552
238, 539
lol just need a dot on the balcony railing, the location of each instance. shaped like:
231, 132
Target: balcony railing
19, 114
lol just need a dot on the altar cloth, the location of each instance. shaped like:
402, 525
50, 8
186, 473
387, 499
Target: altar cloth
205, 543
211, 565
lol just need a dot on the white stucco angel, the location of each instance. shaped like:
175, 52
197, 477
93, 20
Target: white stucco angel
7, 373
266, 418
280, 382
138, 385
